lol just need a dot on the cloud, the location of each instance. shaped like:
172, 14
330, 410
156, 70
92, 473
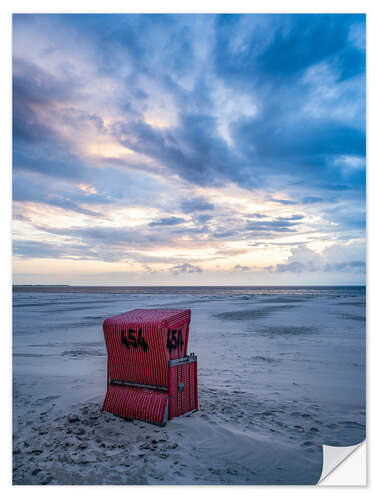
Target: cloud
349, 218
36, 249
31, 249
281, 224
28, 188
175, 115
196, 205
308, 200
224, 232
35, 90
167, 221
202, 218
256, 215
347, 266
284, 202
242, 269
185, 268
337, 257
84, 251
193, 149
244, 48
110, 235
280, 47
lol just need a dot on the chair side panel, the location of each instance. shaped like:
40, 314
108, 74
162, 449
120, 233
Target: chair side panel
183, 388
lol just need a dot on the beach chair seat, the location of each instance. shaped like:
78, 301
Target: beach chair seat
137, 403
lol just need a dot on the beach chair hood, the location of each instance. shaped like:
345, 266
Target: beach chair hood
140, 343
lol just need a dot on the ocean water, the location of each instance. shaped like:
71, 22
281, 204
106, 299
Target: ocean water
284, 365
205, 290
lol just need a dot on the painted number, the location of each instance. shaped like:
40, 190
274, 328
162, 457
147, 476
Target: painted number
174, 340
133, 340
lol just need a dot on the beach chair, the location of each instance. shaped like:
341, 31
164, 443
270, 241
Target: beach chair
149, 375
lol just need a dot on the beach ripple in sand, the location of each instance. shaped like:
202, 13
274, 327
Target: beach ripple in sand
251, 314
277, 331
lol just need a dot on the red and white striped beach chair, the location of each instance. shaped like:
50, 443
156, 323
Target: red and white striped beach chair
149, 376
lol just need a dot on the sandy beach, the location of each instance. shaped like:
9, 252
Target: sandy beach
281, 372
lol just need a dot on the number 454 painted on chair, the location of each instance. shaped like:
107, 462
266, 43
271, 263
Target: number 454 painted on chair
131, 340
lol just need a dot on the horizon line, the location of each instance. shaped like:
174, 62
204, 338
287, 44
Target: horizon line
181, 286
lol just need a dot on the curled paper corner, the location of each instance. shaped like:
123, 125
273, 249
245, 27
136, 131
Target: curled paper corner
344, 465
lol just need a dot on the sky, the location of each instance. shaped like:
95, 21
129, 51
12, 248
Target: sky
189, 149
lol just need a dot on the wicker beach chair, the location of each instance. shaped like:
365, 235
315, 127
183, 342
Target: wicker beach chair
149, 375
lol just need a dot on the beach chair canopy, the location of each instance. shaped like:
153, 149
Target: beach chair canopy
140, 343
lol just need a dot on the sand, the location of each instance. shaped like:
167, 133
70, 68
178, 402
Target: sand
278, 377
